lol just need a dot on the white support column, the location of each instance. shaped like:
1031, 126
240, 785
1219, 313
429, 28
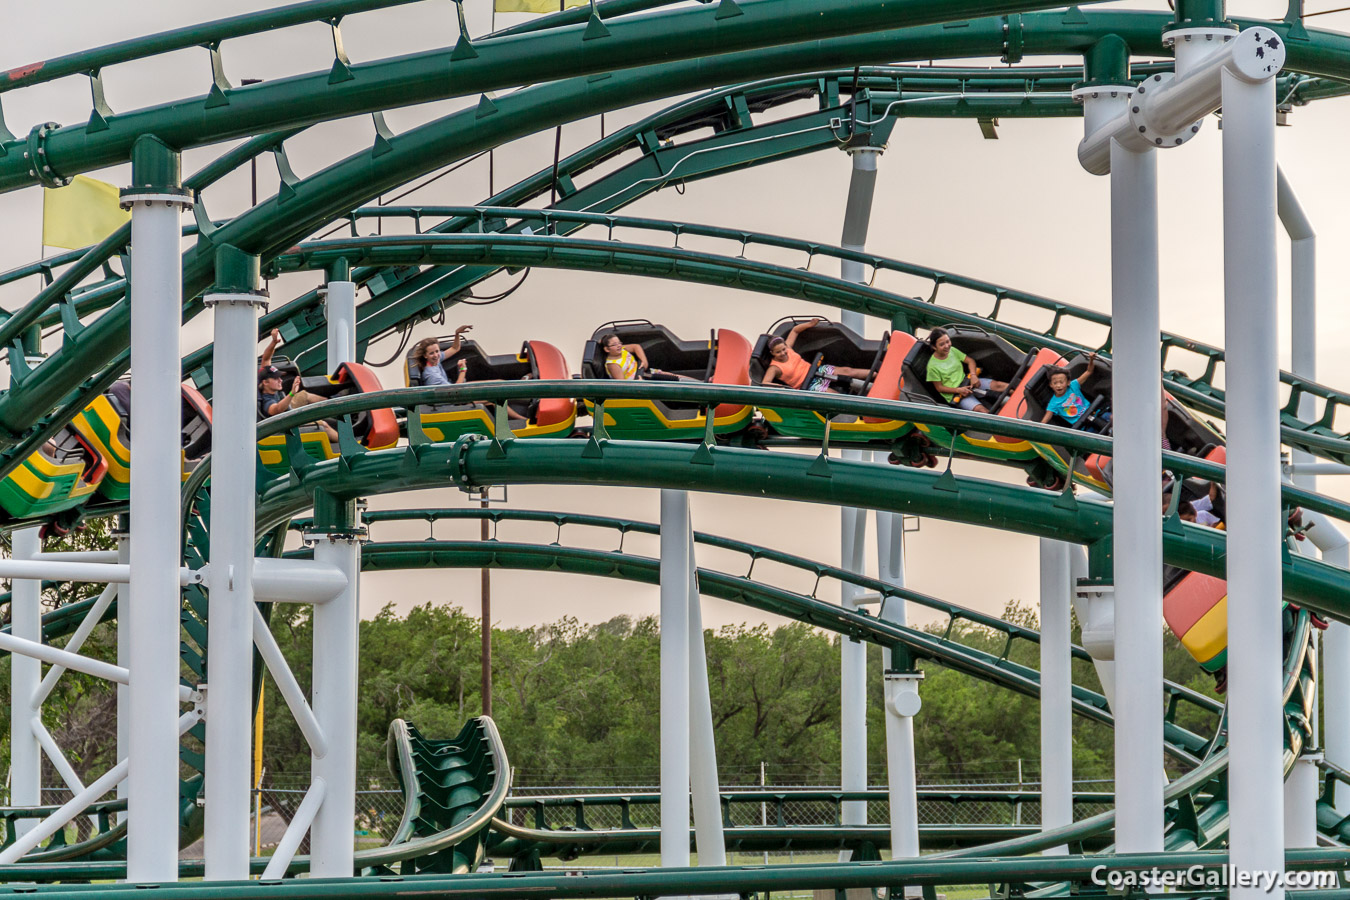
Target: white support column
902, 700
1056, 691
340, 311
705, 786
229, 723
1300, 802
1256, 789
156, 201
853, 522
337, 647
336, 661
674, 678
25, 674
1302, 306
123, 538
1137, 411
852, 669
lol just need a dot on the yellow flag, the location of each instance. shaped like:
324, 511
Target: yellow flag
534, 6
82, 213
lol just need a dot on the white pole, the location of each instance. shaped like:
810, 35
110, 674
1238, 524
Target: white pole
853, 522
674, 678
1300, 802
156, 203
336, 663
1056, 691
123, 539
1137, 410
704, 782
1303, 304
340, 311
902, 701
1256, 789
852, 668
229, 726
336, 647
25, 674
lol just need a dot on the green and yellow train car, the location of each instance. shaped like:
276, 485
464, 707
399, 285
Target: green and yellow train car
375, 429
549, 417
105, 424
62, 475
724, 358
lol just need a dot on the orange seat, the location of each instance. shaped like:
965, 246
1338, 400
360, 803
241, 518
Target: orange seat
732, 367
886, 386
549, 364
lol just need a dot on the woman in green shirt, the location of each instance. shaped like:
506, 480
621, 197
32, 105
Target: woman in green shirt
953, 373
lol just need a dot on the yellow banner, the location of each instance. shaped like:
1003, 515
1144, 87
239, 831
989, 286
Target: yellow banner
82, 213
534, 6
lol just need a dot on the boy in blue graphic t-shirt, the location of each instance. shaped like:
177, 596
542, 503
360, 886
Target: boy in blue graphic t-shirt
1068, 401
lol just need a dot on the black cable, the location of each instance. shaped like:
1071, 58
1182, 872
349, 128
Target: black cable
493, 298
402, 345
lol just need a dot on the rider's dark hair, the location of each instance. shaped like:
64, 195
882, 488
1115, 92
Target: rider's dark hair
935, 334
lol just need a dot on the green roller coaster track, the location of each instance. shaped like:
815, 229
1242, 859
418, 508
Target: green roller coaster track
603, 55
304, 205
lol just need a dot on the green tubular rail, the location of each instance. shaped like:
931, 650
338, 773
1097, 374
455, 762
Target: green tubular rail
1314, 584
275, 224
736, 271
501, 63
536, 57
1184, 745
1190, 826
742, 880
1175, 694
203, 35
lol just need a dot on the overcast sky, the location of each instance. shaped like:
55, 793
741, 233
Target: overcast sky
1018, 210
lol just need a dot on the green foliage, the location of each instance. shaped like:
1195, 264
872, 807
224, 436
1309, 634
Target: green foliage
579, 703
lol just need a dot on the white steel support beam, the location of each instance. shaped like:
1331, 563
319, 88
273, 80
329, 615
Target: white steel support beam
705, 786
1256, 789
674, 568
229, 678
852, 668
25, 674
902, 700
853, 522
124, 614
340, 312
1056, 690
1137, 417
1300, 802
156, 201
336, 660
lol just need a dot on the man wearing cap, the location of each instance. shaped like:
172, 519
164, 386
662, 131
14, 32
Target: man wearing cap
272, 397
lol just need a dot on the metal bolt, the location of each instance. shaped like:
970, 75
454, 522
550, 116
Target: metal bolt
1158, 141
1142, 129
1141, 88
1134, 109
1178, 142
1194, 129
1157, 78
